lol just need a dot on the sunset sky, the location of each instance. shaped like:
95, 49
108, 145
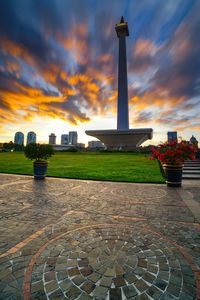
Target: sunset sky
58, 66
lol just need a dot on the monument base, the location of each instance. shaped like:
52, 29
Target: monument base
122, 139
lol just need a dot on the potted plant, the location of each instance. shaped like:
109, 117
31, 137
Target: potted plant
39, 153
172, 156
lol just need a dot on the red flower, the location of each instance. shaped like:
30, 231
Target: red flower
173, 152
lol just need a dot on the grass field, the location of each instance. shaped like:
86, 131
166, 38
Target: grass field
130, 167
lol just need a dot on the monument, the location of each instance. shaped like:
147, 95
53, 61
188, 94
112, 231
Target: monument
122, 138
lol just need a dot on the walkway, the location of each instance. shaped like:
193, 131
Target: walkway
74, 239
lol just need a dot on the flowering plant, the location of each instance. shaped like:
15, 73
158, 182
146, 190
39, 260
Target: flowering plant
173, 153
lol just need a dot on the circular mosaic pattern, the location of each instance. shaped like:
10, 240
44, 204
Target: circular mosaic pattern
111, 263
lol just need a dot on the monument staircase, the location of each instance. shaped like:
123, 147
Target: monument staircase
191, 169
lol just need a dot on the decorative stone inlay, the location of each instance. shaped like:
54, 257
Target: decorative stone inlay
127, 192
112, 262
41, 260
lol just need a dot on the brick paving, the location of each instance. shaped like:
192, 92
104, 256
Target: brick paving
73, 239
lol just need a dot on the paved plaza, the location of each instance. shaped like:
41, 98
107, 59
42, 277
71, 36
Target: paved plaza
76, 239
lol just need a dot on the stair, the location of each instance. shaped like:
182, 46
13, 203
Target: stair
191, 169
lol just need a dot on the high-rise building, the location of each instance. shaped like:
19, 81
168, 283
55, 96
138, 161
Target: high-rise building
172, 136
194, 142
64, 139
52, 139
31, 137
19, 138
73, 137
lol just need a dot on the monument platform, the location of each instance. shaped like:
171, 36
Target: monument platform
122, 139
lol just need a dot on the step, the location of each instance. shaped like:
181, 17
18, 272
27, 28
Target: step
192, 161
191, 176
191, 167
192, 164
191, 171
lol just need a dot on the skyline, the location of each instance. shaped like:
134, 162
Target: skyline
58, 66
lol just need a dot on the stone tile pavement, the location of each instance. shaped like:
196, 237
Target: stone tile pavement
74, 239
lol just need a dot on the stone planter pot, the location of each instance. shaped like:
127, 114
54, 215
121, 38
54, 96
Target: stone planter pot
173, 175
40, 169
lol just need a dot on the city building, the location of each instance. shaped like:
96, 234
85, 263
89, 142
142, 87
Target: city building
62, 147
194, 142
80, 146
65, 139
73, 137
97, 145
31, 137
52, 139
172, 136
19, 138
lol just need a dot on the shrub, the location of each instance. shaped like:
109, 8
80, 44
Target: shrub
38, 152
71, 150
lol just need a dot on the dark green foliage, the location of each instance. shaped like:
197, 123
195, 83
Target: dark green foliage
8, 146
70, 150
105, 151
38, 151
12, 146
197, 154
19, 147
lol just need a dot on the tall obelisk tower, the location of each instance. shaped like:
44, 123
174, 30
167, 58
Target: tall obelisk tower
122, 138
122, 104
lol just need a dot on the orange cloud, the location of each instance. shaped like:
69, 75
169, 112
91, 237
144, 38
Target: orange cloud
105, 58
50, 73
17, 50
91, 87
76, 42
91, 90
181, 46
22, 101
13, 67
144, 47
78, 78
144, 52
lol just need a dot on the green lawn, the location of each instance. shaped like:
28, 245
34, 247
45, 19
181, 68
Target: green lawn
132, 167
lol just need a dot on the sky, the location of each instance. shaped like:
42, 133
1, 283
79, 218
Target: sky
59, 59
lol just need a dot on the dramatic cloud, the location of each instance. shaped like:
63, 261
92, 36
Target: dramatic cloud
144, 56
59, 59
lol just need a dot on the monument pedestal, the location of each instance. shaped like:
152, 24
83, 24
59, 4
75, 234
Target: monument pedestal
122, 139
